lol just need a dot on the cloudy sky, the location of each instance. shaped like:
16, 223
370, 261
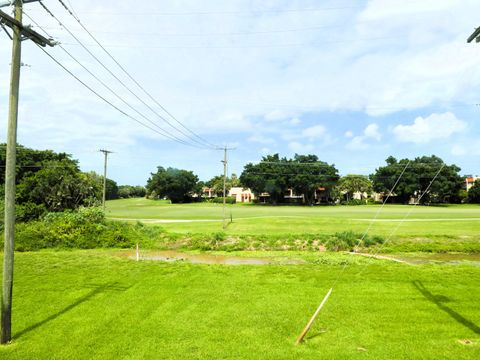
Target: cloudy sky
348, 80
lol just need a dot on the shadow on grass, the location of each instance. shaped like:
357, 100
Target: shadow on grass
440, 301
96, 289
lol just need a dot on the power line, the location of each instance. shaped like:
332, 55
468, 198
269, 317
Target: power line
105, 100
265, 46
252, 12
164, 132
202, 140
121, 82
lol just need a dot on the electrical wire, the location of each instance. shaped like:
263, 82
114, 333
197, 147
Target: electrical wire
201, 139
171, 136
123, 84
107, 101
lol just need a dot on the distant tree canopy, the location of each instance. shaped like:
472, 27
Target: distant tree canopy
416, 179
29, 161
58, 186
216, 184
174, 184
305, 174
129, 191
50, 181
111, 187
350, 184
473, 195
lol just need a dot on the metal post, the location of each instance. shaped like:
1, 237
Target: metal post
7, 285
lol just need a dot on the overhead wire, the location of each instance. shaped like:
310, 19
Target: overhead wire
122, 68
426, 191
104, 99
200, 144
163, 131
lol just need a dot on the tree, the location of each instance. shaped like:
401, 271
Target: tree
174, 184
416, 179
128, 191
305, 174
29, 161
216, 183
473, 196
350, 184
267, 176
58, 186
309, 174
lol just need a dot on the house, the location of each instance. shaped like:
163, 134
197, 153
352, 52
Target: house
241, 194
470, 181
208, 192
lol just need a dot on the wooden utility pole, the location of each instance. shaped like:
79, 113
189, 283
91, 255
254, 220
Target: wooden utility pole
10, 181
105, 152
20, 33
225, 160
225, 164
474, 36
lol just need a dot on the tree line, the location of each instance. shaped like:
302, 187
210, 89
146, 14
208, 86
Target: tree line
53, 182
425, 179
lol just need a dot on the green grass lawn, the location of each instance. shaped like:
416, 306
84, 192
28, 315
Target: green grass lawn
92, 305
456, 224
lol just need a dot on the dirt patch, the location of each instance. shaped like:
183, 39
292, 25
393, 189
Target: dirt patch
466, 342
202, 258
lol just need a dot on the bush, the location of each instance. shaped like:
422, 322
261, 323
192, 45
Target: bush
228, 200
348, 240
353, 202
82, 229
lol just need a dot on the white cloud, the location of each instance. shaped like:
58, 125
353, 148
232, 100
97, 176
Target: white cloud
315, 132
435, 126
371, 131
277, 115
259, 138
458, 150
357, 143
348, 134
295, 121
300, 148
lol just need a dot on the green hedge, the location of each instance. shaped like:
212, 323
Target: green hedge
86, 228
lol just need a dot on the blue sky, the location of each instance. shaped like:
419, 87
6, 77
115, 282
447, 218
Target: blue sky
350, 81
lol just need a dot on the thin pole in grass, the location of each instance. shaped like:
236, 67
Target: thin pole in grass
138, 253
304, 332
225, 164
310, 323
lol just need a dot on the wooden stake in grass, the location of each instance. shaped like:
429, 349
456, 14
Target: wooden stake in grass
138, 253
304, 332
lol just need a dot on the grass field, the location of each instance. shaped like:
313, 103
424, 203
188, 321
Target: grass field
408, 228
93, 305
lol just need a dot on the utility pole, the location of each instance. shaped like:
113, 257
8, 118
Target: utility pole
225, 163
20, 33
475, 36
105, 152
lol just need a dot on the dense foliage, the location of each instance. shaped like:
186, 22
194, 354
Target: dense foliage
473, 196
85, 228
305, 174
174, 184
348, 185
129, 191
415, 180
216, 184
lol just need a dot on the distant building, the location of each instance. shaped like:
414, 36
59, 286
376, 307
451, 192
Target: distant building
241, 194
470, 181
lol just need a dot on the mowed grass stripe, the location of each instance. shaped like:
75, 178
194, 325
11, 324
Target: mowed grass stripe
90, 305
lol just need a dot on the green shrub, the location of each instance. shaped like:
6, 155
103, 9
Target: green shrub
353, 202
82, 229
219, 200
